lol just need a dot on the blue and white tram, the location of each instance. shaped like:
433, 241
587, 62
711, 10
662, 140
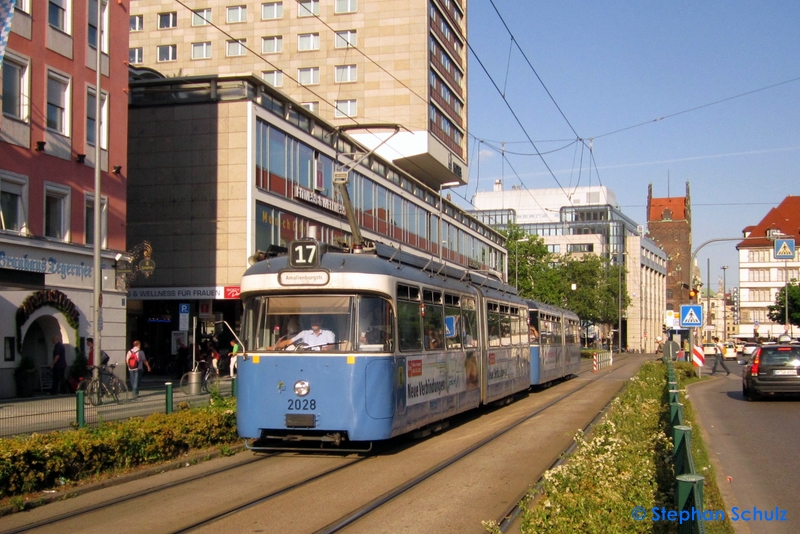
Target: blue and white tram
555, 343
410, 346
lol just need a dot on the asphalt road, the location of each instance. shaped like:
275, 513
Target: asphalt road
754, 449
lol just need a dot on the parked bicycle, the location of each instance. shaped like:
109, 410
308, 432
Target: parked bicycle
105, 388
209, 380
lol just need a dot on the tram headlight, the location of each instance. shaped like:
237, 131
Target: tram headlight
301, 388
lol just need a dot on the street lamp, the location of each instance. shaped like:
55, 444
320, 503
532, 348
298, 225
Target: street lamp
516, 257
445, 185
724, 303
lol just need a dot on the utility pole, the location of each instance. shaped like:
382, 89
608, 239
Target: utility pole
724, 302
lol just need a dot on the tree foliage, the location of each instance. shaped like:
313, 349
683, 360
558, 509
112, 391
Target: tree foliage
777, 311
550, 278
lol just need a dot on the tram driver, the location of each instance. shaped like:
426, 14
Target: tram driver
315, 338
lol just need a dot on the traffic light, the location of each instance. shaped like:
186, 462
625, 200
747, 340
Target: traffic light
692, 293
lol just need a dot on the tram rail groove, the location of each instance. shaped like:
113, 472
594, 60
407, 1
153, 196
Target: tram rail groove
507, 519
376, 503
345, 520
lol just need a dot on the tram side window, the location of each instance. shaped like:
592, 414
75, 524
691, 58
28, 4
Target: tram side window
518, 334
375, 322
469, 318
432, 320
546, 331
409, 321
494, 329
533, 329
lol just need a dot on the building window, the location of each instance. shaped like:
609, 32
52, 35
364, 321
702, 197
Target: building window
236, 48
271, 10
346, 73
308, 76
201, 17
346, 39
15, 87
91, 36
307, 41
13, 195
137, 23
57, 15
201, 50
759, 255
57, 98
89, 219
346, 108
10, 349
167, 20
236, 14
313, 107
167, 53
346, 6
23, 5
307, 8
759, 275
91, 104
56, 212
135, 56
272, 44
273, 77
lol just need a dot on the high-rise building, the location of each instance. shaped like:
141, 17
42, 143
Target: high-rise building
351, 62
49, 150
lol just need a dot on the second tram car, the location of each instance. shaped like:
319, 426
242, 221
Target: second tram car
345, 348
554, 343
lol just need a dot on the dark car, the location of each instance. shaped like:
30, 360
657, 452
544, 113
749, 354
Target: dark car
773, 369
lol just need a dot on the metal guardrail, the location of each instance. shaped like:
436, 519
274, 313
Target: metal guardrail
688, 484
47, 413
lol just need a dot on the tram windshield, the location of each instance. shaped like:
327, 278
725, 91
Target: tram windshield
339, 323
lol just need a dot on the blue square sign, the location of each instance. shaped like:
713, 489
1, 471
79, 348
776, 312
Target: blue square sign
691, 315
784, 249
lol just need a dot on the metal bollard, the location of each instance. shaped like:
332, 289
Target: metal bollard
682, 448
80, 395
676, 413
169, 397
690, 496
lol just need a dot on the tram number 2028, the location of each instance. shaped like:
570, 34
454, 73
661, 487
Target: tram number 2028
302, 404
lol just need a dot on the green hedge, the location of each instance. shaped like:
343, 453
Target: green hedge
41, 461
626, 462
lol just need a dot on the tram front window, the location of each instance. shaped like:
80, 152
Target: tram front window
299, 323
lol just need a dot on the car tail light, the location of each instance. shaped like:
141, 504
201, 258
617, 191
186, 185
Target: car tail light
756, 361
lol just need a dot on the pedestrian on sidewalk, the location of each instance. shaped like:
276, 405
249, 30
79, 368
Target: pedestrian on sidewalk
719, 356
58, 366
137, 361
234, 357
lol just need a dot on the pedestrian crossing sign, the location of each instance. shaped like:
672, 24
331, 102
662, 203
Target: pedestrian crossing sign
691, 315
784, 249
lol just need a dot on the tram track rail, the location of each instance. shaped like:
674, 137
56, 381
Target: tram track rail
379, 501
344, 520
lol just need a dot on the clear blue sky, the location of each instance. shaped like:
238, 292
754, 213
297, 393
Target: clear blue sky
612, 65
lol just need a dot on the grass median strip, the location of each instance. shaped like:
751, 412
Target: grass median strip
625, 466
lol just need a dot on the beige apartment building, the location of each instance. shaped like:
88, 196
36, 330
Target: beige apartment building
355, 63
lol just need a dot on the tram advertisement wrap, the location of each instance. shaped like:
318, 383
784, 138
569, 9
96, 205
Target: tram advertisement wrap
435, 376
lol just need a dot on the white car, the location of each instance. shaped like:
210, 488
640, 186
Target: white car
709, 349
730, 351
